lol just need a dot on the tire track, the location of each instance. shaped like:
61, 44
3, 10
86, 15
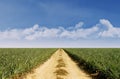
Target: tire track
59, 66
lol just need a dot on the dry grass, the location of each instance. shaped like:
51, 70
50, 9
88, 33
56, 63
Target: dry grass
60, 65
59, 78
60, 60
61, 72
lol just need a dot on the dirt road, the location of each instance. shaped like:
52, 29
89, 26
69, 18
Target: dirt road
59, 66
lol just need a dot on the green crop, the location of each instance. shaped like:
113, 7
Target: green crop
17, 61
104, 60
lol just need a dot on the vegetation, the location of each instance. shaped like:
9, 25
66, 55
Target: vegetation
16, 61
105, 61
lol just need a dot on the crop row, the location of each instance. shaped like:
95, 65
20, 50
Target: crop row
104, 61
15, 61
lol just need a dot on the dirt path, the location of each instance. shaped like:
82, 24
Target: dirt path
59, 66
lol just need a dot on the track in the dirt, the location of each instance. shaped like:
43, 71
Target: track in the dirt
59, 66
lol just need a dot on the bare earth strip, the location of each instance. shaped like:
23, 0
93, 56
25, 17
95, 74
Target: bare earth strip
59, 66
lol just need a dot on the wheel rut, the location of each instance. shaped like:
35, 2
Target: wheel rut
59, 66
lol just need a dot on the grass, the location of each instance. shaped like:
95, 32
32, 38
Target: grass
105, 61
61, 72
60, 63
59, 78
18, 61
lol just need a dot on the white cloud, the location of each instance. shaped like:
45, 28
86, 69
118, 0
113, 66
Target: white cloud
79, 25
43, 32
10, 34
106, 23
77, 32
111, 31
31, 30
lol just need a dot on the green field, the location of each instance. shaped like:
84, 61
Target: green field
106, 61
18, 61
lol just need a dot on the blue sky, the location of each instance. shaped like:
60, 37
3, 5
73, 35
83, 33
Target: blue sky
64, 23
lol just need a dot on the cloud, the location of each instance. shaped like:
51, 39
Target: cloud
79, 25
31, 30
78, 33
110, 30
43, 32
103, 29
10, 34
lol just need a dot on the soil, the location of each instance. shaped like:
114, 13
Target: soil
59, 66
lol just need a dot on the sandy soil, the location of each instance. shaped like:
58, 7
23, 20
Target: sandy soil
59, 66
